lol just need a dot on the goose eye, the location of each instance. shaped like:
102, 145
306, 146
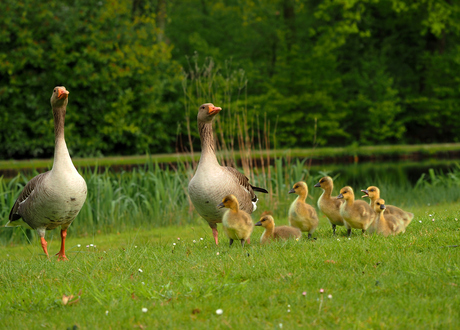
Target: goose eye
54, 90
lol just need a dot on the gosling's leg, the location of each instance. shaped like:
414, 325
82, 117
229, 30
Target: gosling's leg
349, 232
231, 242
333, 229
242, 242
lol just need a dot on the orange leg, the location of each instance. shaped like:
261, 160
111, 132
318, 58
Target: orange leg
248, 240
214, 233
44, 246
61, 254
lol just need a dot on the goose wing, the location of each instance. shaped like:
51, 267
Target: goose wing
244, 182
25, 193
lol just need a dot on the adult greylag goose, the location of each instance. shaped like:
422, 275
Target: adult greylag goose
387, 224
301, 214
53, 198
237, 224
273, 232
356, 213
328, 204
374, 193
212, 182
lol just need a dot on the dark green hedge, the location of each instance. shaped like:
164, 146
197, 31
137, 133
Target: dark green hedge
332, 72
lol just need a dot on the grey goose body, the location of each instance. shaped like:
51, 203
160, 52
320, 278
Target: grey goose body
53, 198
212, 182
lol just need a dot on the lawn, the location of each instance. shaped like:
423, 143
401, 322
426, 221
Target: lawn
175, 277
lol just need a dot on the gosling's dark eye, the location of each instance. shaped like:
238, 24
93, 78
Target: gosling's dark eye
55, 90
322, 181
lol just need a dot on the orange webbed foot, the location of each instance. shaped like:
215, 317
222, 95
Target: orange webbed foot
62, 256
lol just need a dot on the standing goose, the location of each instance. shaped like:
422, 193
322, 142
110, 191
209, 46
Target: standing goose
273, 232
301, 214
237, 223
329, 205
387, 224
356, 214
374, 193
212, 182
53, 198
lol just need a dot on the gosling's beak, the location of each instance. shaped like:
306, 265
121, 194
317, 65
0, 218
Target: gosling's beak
258, 224
340, 196
317, 185
382, 206
366, 193
63, 93
291, 191
213, 110
221, 205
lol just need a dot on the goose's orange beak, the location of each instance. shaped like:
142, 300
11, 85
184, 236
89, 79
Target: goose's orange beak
213, 110
63, 93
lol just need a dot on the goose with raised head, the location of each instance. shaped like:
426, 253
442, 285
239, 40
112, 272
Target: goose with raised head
301, 214
328, 204
356, 213
237, 223
53, 198
273, 232
374, 193
212, 182
386, 224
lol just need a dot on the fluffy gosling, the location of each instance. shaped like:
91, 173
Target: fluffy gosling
237, 223
272, 232
328, 204
374, 193
356, 214
387, 224
301, 214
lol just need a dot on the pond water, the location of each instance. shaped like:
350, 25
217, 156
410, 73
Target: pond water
397, 172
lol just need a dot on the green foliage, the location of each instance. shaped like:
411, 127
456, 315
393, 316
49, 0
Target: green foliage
121, 79
332, 72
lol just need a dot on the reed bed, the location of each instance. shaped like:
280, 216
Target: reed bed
152, 196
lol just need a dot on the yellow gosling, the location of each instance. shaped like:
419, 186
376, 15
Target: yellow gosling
356, 214
328, 204
387, 224
301, 214
272, 232
374, 193
237, 223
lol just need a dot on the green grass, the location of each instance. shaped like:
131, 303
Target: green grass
133, 218
409, 281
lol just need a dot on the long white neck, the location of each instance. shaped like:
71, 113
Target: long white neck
62, 160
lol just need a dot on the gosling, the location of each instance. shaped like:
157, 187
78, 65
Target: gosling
374, 193
272, 233
301, 214
356, 214
329, 205
237, 223
387, 224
